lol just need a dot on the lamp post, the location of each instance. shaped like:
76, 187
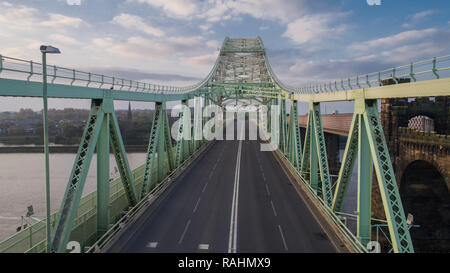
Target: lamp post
51, 50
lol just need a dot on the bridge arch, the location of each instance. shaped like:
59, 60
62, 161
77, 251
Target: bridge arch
425, 194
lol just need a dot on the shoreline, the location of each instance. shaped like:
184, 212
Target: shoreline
60, 149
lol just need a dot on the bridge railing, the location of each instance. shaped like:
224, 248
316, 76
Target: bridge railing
435, 68
19, 69
347, 235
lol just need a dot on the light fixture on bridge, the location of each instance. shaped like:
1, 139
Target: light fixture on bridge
49, 49
44, 50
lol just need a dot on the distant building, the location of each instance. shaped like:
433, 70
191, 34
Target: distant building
421, 123
129, 114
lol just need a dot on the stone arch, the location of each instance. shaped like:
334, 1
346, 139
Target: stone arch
425, 194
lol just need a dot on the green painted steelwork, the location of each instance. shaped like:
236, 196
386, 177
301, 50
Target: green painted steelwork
294, 141
153, 149
69, 206
241, 72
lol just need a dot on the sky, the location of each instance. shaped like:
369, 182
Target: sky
176, 42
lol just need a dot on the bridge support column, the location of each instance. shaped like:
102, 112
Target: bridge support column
315, 153
198, 120
283, 126
159, 150
182, 150
102, 115
294, 141
366, 138
364, 227
103, 200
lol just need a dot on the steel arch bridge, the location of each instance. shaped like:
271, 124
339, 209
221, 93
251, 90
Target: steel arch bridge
241, 72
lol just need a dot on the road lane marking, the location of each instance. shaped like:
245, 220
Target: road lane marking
214, 167
273, 208
196, 205
152, 244
210, 175
267, 189
264, 177
184, 232
234, 209
282, 237
204, 187
203, 246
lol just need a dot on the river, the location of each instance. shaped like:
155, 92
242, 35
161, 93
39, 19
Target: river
22, 183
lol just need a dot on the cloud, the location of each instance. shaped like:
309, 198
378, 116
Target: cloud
415, 18
22, 18
137, 75
130, 21
25, 28
168, 48
393, 40
220, 10
63, 39
307, 71
73, 2
313, 28
203, 60
173, 8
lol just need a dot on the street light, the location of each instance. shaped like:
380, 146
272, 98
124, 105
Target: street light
50, 50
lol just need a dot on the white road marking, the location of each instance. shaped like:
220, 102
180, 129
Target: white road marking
232, 243
152, 244
214, 167
204, 187
196, 205
184, 232
264, 177
203, 246
273, 208
267, 189
282, 237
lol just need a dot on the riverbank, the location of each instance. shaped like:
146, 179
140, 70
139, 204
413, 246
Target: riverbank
60, 149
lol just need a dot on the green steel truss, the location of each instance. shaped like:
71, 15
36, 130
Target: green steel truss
182, 150
159, 148
241, 72
96, 132
314, 159
366, 139
294, 149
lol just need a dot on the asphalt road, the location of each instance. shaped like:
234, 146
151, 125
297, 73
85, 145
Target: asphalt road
221, 206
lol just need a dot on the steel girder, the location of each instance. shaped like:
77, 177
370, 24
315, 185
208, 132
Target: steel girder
294, 149
283, 126
198, 123
182, 148
315, 155
366, 138
101, 123
159, 148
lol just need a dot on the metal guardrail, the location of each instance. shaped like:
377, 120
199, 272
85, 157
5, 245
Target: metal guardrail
435, 68
14, 68
349, 237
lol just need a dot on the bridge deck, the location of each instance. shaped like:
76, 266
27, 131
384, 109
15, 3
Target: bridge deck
196, 211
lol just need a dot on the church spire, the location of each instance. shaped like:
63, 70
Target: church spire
130, 115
